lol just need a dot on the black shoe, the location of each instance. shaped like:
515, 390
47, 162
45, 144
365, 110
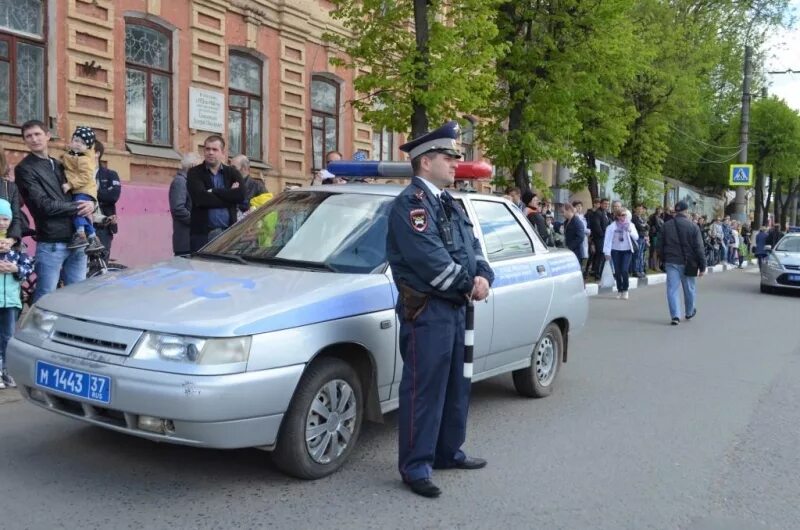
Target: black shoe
425, 488
675, 321
694, 314
470, 463
94, 245
78, 241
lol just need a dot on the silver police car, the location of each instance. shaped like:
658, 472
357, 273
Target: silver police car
781, 271
281, 333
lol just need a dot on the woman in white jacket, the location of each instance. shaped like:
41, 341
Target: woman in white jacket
618, 248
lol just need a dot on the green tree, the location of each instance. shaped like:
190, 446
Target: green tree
417, 62
774, 151
560, 62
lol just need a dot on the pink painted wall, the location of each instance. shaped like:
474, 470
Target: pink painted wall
145, 225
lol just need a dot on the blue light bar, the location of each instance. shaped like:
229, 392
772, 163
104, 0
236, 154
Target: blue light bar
376, 169
370, 168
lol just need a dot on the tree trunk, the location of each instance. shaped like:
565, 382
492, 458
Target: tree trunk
776, 201
634, 195
592, 182
758, 220
419, 115
794, 201
767, 199
520, 170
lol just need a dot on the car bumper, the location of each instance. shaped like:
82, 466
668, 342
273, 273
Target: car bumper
783, 279
224, 412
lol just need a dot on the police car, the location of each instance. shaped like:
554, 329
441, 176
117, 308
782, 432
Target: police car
781, 270
281, 334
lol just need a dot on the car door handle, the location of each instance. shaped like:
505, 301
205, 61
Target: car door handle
540, 268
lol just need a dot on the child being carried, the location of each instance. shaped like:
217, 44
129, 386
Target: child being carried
80, 166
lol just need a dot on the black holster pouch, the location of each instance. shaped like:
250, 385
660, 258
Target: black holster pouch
412, 302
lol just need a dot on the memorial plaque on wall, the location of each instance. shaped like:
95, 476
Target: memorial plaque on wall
206, 110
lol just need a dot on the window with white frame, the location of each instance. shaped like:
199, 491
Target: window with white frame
148, 82
244, 105
22, 61
324, 119
468, 140
382, 144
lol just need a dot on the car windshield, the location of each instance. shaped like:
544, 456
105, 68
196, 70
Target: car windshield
788, 244
340, 232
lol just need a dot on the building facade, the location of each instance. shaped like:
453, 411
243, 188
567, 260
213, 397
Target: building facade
155, 77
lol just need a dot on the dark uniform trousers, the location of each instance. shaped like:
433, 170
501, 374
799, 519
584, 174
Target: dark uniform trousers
434, 394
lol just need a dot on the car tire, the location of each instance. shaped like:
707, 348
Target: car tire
766, 289
538, 380
308, 447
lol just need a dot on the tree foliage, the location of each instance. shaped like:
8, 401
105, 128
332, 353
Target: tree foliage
654, 85
774, 151
449, 75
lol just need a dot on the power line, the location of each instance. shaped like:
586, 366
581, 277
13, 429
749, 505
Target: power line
698, 140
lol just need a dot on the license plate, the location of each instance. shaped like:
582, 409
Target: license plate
74, 382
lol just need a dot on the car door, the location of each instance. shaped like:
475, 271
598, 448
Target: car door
522, 289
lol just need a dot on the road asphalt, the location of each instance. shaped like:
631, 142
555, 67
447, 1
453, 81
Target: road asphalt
691, 427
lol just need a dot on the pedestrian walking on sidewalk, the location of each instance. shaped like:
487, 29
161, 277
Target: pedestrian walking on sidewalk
684, 260
619, 246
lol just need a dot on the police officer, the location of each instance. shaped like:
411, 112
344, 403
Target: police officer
438, 266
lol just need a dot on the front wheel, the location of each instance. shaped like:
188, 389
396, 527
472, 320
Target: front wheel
539, 378
323, 422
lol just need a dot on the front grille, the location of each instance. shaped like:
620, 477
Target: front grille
91, 343
83, 410
784, 279
792, 267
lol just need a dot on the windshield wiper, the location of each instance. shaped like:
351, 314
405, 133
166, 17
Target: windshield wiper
291, 262
229, 257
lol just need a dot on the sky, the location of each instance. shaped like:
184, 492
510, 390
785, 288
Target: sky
783, 53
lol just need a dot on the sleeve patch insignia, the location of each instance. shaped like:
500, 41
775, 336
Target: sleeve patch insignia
419, 219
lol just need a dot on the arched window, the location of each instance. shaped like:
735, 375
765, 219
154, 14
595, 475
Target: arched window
244, 106
324, 119
22, 61
148, 82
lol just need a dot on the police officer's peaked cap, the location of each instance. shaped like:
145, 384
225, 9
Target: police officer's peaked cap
86, 134
442, 140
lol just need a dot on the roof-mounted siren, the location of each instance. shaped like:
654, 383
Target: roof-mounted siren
396, 170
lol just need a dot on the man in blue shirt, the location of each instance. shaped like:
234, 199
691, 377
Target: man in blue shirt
215, 190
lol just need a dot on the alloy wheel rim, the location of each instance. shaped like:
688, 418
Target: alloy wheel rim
331, 421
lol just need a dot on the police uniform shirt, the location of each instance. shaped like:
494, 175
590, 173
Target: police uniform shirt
432, 247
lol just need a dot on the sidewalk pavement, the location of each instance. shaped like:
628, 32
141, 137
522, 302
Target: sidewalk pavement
593, 289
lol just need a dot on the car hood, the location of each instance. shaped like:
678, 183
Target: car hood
219, 299
788, 258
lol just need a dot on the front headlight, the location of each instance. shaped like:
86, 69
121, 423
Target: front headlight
192, 349
773, 263
38, 322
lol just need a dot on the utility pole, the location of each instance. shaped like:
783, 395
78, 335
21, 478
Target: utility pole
740, 202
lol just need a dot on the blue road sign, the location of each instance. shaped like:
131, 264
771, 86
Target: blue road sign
741, 175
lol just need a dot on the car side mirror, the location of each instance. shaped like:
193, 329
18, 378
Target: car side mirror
767, 247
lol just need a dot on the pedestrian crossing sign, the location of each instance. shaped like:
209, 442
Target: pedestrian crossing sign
741, 175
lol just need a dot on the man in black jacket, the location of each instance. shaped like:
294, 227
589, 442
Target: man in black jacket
40, 178
215, 190
109, 189
598, 224
574, 233
681, 248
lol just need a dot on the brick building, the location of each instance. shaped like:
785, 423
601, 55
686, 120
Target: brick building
155, 77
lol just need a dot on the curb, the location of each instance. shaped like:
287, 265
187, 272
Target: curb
593, 289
